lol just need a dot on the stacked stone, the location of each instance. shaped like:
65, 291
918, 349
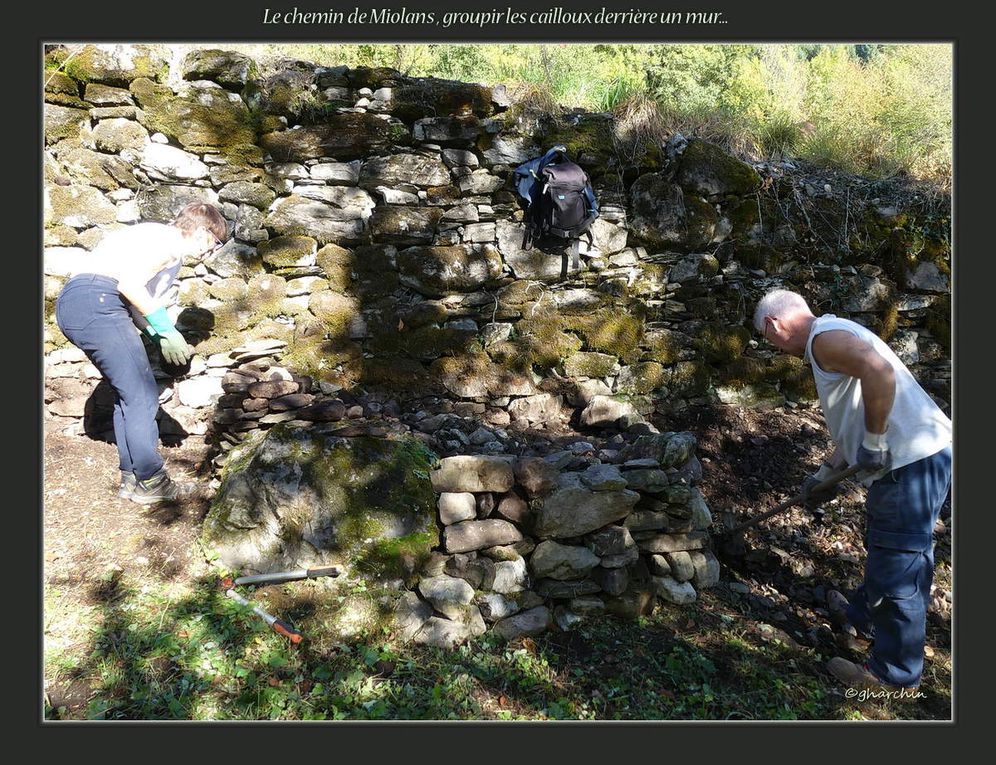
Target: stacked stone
374, 216
530, 542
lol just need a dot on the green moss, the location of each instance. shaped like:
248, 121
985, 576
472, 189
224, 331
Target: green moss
721, 344
643, 378
287, 251
336, 312
218, 125
750, 211
663, 347
705, 168
590, 365
687, 378
742, 372
396, 373
398, 558
794, 377
425, 343
889, 322
337, 264
592, 137
539, 341
612, 331
938, 322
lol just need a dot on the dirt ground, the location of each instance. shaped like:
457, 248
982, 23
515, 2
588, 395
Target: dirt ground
751, 461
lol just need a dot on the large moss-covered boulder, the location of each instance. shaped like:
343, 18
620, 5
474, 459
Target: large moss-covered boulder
118, 64
341, 136
418, 97
439, 271
707, 170
103, 171
664, 215
64, 122
77, 206
225, 67
202, 119
292, 498
300, 216
417, 169
162, 202
404, 225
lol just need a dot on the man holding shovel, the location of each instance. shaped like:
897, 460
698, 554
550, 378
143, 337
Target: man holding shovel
126, 282
883, 422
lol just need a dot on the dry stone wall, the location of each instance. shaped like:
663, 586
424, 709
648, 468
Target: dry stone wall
375, 286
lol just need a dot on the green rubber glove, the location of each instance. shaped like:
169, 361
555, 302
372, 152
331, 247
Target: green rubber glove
174, 347
159, 323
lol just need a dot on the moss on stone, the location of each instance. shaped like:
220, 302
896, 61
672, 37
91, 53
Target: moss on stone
938, 322
889, 322
398, 558
590, 139
288, 251
663, 347
687, 378
427, 343
794, 377
203, 121
589, 364
612, 331
721, 344
94, 65
396, 373
742, 372
541, 341
337, 264
336, 312
707, 169
642, 378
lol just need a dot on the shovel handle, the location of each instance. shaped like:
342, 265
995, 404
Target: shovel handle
832, 480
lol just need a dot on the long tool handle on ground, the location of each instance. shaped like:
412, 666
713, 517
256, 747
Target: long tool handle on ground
281, 628
288, 576
793, 501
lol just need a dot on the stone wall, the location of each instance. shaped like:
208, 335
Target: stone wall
377, 235
375, 283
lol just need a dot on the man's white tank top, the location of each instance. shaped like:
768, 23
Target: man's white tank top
917, 427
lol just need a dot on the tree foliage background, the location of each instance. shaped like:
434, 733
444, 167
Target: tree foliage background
877, 109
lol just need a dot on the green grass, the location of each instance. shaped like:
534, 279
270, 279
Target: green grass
156, 651
878, 110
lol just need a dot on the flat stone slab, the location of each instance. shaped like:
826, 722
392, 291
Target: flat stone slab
474, 474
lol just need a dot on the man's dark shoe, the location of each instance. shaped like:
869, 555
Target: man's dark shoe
857, 676
161, 488
127, 485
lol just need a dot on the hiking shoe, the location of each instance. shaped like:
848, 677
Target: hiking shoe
161, 488
837, 606
857, 676
127, 485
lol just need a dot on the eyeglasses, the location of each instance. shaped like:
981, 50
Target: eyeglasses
218, 244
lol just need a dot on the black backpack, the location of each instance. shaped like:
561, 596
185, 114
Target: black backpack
558, 198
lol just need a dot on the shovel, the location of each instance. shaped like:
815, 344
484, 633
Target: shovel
791, 502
